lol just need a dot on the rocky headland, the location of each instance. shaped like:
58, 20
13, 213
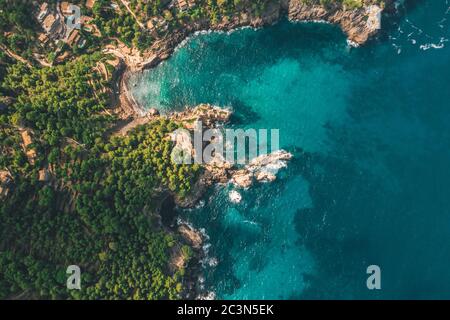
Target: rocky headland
218, 170
359, 24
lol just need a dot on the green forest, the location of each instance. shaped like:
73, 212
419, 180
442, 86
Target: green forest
97, 208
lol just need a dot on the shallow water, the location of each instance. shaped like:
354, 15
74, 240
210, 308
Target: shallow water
370, 182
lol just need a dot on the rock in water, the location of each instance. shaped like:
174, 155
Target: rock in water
153, 112
242, 179
263, 168
264, 176
235, 196
192, 236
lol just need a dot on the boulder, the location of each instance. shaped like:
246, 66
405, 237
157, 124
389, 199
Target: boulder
153, 112
242, 178
264, 176
191, 236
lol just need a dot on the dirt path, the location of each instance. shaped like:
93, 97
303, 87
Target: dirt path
15, 56
124, 129
125, 3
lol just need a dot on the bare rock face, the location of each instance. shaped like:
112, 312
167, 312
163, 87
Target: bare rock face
274, 159
242, 178
374, 17
208, 114
44, 175
217, 174
153, 112
5, 181
218, 170
191, 236
359, 24
262, 169
264, 176
177, 259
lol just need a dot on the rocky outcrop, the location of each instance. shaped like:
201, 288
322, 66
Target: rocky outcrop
264, 176
207, 114
27, 143
177, 259
242, 178
5, 182
262, 169
359, 24
44, 175
191, 236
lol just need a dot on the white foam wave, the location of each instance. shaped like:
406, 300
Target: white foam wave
418, 36
439, 45
211, 295
235, 197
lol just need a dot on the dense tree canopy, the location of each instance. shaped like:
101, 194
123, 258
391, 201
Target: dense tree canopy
97, 209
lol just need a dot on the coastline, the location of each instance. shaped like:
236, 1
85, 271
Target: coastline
130, 110
355, 23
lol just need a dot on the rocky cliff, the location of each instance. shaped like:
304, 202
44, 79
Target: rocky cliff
359, 24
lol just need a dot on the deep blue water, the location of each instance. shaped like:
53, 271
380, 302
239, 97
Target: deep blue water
370, 181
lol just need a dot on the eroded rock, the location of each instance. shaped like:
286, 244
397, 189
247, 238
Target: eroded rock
208, 114
242, 178
191, 236
262, 169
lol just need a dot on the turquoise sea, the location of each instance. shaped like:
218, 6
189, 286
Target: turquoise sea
370, 131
